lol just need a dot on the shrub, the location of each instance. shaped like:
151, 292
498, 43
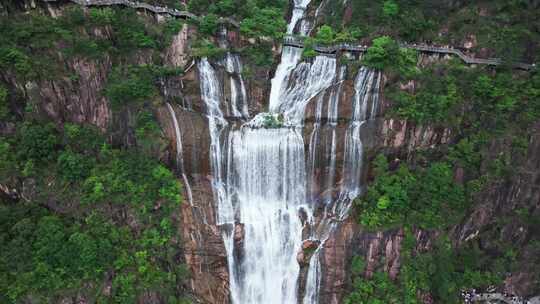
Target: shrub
385, 54
428, 198
74, 167
259, 55
325, 35
37, 142
132, 84
208, 25
390, 9
266, 22
205, 48
4, 107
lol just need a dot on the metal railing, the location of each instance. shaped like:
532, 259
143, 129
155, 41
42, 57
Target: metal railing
299, 42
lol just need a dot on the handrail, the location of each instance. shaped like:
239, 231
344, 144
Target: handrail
152, 8
299, 42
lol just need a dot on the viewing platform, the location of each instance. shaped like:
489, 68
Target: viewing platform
145, 6
348, 47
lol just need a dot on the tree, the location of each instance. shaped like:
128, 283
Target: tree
325, 35
4, 109
267, 22
208, 25
390, 9
385, 54
132, 84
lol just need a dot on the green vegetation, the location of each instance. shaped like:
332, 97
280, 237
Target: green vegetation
134, 85
267, 22
30, 43
257, 19
272, 121
489, 112
385, 54
443, 273
427, 198
470, 100
506, 28
205, 48
88, 234
259, 55
326, 36
208, 25
4, 106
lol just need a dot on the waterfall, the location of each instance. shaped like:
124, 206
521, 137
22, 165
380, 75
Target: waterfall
306, 81
290, 56
258, 180
298, 12
367, 84
268, 173
366, 93
179, 153
239, 100
261, 177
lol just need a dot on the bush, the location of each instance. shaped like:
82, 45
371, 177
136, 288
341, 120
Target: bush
205, 48
428, 198
37, 142
74, 167
385, 54
267, 22
132, 179
390, 9
132, 84
325, 35
4, 106
435, 103
208, 25
259, 55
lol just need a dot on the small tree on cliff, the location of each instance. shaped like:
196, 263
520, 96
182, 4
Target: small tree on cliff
386, 54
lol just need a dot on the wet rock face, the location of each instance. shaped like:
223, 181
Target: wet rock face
335, 257
204, 249
500, 201
307, 250
80, 100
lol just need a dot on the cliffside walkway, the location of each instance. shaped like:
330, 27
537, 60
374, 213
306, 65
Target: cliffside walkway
152, 8
501, 298
299, 42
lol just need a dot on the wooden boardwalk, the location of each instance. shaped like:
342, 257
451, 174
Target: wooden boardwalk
145, 6
299, 42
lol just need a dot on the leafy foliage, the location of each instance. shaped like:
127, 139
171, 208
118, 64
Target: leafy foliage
47, 254
208, 25
4, 107
427, 198
266, 22
385, 54
133, 84
205, 48
506, 28
443, 272
29, 43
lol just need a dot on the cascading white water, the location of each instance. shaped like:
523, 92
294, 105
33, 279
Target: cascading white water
239, 101
314, 271
366, 93
367, 85
299, 10
259, 175
179, 153
290, 56
259, 183
268, 175
306, 81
